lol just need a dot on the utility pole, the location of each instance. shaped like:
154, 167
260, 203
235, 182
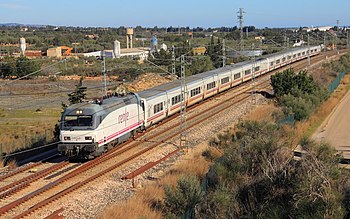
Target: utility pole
308, 52
347, 39
240, 18
223, 53
336, 37
325, 45
285, 39
173, 70
302, 39
65, 63
104, 88
183, 131
253, 80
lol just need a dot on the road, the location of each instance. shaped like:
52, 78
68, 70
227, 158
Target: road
336, 128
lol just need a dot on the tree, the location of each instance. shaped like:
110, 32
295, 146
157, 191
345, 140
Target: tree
8, 67
199, 65
214, 51
25, 66
298, 94
79, 94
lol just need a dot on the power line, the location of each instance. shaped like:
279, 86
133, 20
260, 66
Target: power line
30, 74
240, 19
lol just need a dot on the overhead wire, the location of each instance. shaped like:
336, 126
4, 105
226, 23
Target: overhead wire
62, 122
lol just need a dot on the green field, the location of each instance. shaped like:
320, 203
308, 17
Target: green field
23, 128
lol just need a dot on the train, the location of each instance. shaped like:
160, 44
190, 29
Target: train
89, 129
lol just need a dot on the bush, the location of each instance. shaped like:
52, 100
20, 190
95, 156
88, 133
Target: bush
298, 94
184, 198
298, 107
258, 178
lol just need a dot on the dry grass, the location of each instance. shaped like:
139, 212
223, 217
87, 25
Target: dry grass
1, 163
263, 113
132, 209
22, 128
193, 163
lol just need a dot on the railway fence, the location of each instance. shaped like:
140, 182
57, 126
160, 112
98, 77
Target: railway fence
334, 85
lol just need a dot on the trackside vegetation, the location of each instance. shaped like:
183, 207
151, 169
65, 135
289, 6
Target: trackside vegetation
298, 94
257, 175
258, 178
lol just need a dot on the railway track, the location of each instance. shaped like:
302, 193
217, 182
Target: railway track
61, 187
118, 156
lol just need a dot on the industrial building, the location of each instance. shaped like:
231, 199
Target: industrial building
199, 51
59, 51
141, 53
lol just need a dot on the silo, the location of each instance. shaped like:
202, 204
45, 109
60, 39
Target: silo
22, 45
129, 33
154, 43
116, 49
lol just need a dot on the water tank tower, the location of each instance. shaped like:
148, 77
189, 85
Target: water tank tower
154, 43
129, 34
116, 49
22, 45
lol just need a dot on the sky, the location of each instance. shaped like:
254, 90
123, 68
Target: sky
164, 13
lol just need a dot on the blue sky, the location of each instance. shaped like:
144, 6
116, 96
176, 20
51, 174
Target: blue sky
204, 13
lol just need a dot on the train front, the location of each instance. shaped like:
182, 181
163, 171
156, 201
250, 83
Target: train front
78, 130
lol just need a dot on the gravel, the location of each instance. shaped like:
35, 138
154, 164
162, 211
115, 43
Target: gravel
91, 201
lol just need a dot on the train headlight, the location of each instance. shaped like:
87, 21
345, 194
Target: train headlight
88, 137
66, 138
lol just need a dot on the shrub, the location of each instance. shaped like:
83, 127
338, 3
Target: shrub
183, 198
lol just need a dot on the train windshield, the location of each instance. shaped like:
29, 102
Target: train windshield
77, 121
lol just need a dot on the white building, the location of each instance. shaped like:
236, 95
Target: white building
321, 28
141, 53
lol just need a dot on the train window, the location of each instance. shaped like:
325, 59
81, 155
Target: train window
294, 55
74, 121
299, 54
236, 76
225, 80
256, 68
284, 59
143, 105
176, 99
195, 91
278, 61
247, 72
158, 107
289, 57
303, 53
315, 50
271, 63
211, 85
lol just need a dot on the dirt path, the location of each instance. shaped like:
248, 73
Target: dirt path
336, 128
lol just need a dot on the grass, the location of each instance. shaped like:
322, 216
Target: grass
21, 128
263, 113
146, 203
132, 209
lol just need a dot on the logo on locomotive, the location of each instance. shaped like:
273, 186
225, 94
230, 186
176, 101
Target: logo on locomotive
123, 117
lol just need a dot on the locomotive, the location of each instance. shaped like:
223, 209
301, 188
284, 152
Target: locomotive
89, 129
